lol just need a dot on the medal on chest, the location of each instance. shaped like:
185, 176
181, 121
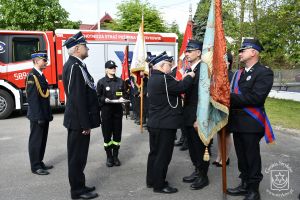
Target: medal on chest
107, 88
248, 78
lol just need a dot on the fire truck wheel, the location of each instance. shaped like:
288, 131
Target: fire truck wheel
6, 104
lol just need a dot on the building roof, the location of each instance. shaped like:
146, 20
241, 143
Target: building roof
104, 19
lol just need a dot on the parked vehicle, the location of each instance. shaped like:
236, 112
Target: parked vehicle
17, 46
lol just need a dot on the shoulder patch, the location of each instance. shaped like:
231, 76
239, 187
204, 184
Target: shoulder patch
30, 82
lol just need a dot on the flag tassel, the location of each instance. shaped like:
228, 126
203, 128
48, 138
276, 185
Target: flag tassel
206, 156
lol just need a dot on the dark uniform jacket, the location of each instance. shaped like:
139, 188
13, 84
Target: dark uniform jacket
255, 86
136, 90
161, 114
191, 99
111, 88
39, 107
82, 109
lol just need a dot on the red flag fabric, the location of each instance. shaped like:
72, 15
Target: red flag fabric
213, 91
125, 70
182, 63
220, 89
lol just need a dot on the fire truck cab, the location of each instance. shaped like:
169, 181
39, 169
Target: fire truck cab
15, 59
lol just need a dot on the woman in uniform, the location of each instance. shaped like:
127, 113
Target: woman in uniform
111, 94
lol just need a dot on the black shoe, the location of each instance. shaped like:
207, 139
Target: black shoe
220, 165
166, 190
215, 163
109, 162
89, 189
88, 195
41, 172
179, 142
199, 183
240, 190
252, 195
117, 161
46, 167
191, 178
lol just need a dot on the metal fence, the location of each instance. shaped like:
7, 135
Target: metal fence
288, 80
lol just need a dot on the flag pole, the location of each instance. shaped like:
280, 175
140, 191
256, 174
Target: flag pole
142, 83
223, 154
141, 103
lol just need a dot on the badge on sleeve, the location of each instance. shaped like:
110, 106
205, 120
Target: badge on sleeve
119, 94
107, 88
248, 78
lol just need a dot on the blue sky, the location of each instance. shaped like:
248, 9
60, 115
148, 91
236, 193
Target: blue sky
88, 11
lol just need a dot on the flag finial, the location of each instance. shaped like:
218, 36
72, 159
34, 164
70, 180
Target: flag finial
190, 11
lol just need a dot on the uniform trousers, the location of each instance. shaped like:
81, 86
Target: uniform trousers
111, 115
197, 149
78, 147
37, 144
249, 161
160, 155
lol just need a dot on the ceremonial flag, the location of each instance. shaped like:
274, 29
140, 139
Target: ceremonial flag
182, 62
138, 63
125, 70
214, 89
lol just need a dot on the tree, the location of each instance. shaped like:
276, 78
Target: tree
280, 38
200, 20
275, 23
174, 28
34, 15
129, 15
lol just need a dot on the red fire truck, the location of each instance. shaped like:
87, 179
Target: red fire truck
16, 48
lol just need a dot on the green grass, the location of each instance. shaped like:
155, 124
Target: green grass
284, 113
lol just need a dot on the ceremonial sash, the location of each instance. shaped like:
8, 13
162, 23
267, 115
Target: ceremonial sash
257, 113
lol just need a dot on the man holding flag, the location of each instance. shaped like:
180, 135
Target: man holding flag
199, 177
248, 120
212, 100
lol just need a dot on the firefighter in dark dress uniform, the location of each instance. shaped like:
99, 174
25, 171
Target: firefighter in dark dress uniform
254, 83
196, 147
82, 114
39, 113
165, 117
110, 88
